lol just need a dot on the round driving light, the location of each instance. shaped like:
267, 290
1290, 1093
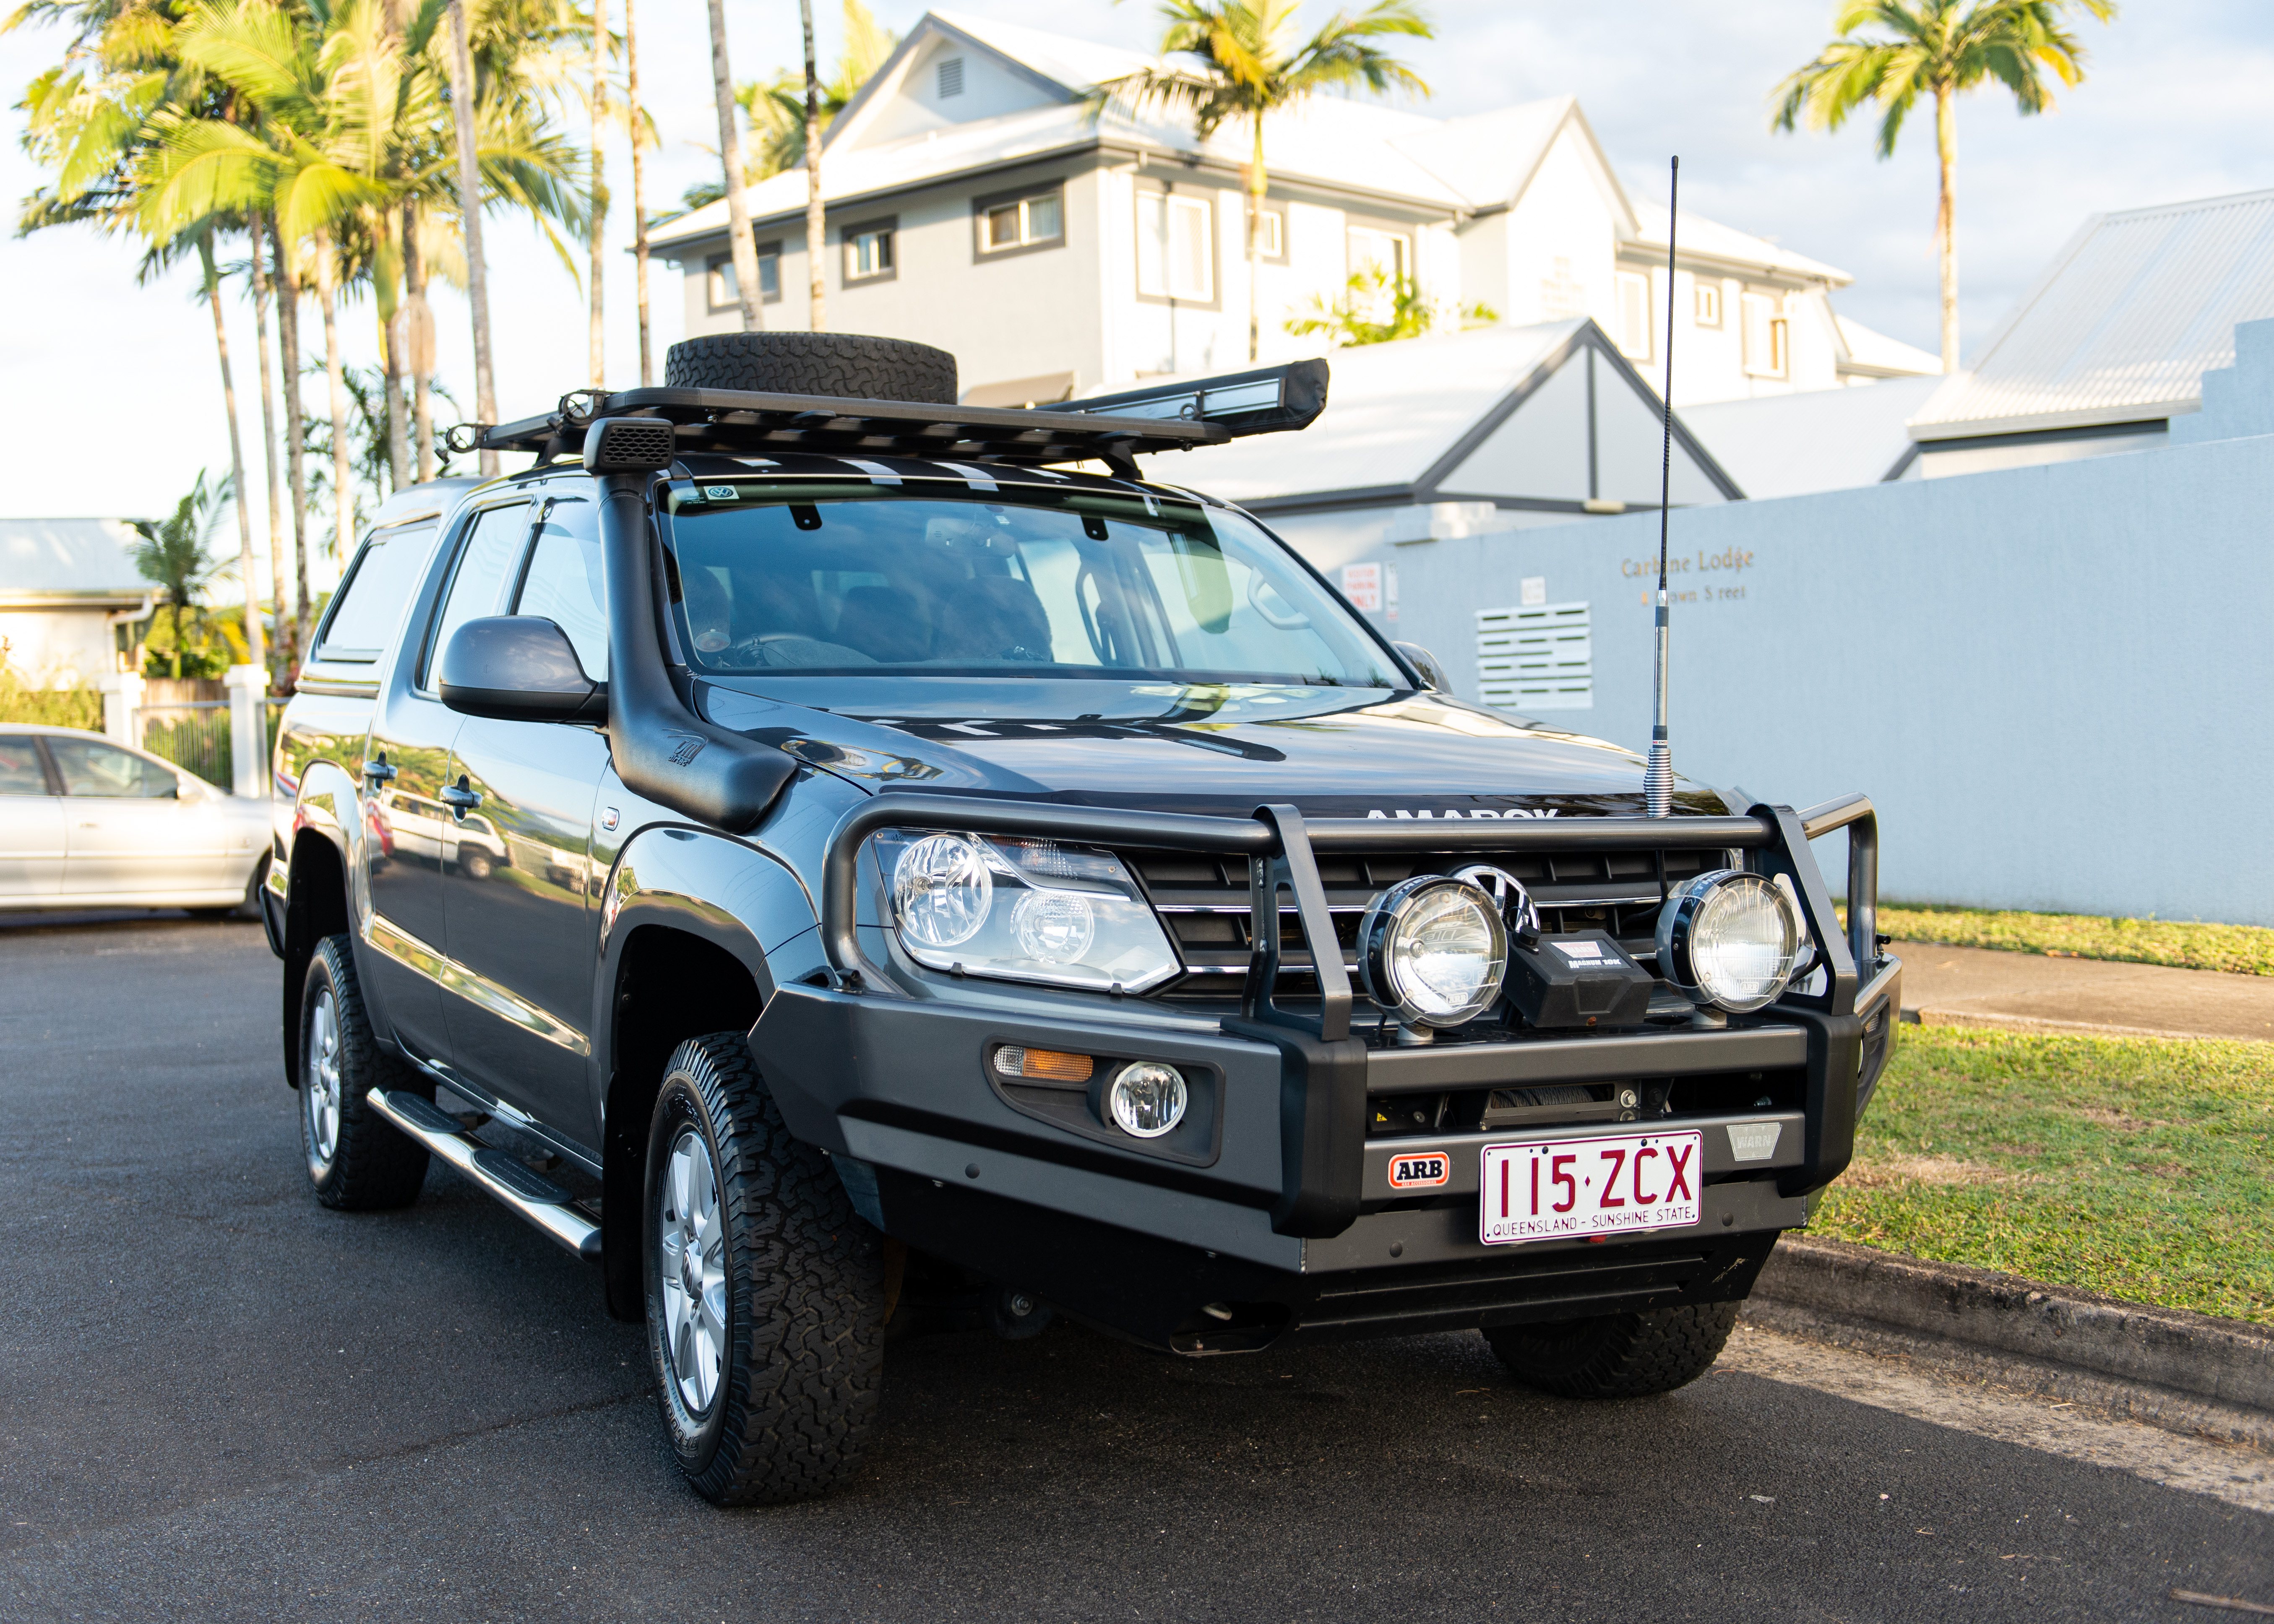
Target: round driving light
1056, 926
1729, 938
1433, 951
941, 891
1147, 1099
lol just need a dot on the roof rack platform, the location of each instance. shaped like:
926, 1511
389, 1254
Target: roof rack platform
1112, 428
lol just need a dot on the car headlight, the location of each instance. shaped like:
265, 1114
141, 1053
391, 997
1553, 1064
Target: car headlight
1731, 938
1023, 910
1433, 951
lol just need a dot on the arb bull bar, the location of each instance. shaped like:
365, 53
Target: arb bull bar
1329, 1076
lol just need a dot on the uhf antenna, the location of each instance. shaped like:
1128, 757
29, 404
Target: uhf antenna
1658, 777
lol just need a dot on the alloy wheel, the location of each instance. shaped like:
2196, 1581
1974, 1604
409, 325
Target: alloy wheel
691, 1267
319, 1084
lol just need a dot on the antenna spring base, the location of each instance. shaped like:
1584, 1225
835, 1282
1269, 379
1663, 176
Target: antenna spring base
1658, 781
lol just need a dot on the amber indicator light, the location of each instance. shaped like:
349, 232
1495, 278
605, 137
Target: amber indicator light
1050, 1065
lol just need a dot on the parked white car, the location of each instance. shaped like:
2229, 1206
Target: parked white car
86, 823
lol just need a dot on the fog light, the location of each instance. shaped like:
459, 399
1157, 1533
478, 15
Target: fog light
1147, 1099
1729, 938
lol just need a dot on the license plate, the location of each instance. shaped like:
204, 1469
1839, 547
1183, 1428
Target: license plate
1582, 1187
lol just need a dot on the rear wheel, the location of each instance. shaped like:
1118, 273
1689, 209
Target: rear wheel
1616, 1356
358, 1160
765, 1290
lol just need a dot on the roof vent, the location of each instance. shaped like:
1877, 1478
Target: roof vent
951, 78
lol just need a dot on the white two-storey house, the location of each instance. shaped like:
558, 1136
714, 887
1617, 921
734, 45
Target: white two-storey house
978, 201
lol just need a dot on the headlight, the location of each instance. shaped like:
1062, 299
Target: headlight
1729, 938
1023, 910
1432, 951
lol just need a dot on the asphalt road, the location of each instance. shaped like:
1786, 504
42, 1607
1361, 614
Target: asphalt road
220, 1402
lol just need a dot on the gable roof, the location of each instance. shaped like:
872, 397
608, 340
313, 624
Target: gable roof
1404, 159
2123, 324
1506, 414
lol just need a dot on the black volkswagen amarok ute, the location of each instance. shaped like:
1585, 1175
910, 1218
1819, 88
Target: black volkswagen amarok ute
826, 861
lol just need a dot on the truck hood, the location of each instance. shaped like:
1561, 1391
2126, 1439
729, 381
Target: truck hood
1219, 750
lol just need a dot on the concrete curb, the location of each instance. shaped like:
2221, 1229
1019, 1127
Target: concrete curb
2186, 1372
1993, 1022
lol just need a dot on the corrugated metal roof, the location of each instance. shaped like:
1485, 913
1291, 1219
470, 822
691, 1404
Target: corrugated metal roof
2124, 324
41, 557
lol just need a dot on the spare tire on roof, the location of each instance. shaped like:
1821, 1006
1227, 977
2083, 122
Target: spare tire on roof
849, 365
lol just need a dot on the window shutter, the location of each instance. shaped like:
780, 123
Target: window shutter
1539, 658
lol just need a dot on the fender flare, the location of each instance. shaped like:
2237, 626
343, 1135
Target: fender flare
327, 807
737, 895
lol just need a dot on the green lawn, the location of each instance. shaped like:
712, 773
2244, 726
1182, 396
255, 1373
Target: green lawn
2246, 950
2133, 1166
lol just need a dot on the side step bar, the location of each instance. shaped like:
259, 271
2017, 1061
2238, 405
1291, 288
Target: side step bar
524, 1190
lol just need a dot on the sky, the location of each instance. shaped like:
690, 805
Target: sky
112, 401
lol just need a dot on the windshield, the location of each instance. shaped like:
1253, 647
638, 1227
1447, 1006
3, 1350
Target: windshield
853, 579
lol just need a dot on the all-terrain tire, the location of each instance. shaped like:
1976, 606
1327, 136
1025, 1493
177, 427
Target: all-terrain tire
369, 1164
847, 366
1616, 1356
802, 1277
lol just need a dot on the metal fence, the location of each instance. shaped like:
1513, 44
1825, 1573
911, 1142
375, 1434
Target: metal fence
192, 735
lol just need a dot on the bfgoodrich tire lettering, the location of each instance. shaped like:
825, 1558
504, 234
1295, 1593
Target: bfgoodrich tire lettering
799, 1281
1616, 1356
358, 1160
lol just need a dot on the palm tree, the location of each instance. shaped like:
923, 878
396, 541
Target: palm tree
1249, 67
600, 190
816, 228
177, 553
1941, 47
635, 122
469, 189
730, 158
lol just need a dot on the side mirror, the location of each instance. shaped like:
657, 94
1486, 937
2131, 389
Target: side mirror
518, 668
1433, 675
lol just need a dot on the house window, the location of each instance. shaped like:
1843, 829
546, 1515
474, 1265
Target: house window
1270, 233
725, 292
1176, 247
868, 252
1767, 347
1036, 220
951, 78
1706, 308
1634, 316
1539, 657
1372, 247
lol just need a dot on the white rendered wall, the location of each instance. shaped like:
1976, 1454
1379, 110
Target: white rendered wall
59, 648
2051, 680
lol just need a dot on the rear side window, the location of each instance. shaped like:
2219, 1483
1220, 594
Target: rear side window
89, 767
370, 603
486, 562
20, 772
566, 583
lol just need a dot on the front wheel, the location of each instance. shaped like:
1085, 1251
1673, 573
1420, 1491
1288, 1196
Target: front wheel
765, 1290
1616, 1356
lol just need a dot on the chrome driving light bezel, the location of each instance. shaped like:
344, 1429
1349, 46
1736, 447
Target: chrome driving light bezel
1384, 970
1697, 964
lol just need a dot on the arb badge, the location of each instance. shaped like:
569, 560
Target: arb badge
1420, 1171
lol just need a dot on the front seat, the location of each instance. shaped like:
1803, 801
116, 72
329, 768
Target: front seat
885, 624
993, 618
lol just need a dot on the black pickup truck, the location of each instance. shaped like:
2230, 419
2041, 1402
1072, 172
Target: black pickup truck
823, 859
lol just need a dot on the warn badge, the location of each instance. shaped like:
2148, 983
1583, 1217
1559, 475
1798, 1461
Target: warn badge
1420, 1171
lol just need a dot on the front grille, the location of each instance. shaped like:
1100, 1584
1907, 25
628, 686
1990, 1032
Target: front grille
1203, 898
